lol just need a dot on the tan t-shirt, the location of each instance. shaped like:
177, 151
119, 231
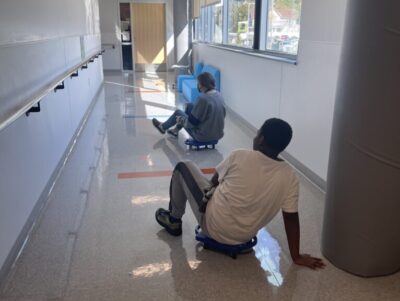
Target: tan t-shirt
252, 189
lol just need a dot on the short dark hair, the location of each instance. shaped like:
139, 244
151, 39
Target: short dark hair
277, 134
206, 80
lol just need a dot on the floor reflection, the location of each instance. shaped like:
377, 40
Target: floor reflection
143, 96
268, 253
143, 200
211, 276
157, 269
176, 152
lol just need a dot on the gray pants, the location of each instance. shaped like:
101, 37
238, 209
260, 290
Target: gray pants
188, 184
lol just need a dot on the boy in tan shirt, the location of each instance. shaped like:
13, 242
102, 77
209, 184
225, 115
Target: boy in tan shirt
249, 188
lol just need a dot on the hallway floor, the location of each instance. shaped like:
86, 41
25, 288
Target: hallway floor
97, 238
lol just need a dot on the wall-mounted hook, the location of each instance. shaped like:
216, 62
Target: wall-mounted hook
34, 109
75, 74
59, 86
84, 67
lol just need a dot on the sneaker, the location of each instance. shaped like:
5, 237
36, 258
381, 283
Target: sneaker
158, 126
174, 132
164, 219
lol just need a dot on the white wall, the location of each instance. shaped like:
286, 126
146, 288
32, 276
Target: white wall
303, 95
181, 31
39, 40
111, 32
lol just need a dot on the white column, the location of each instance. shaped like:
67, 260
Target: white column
362, 215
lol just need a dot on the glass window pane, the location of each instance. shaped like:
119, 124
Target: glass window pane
200, 27
217, 23
241, 19
204, 14
283, 30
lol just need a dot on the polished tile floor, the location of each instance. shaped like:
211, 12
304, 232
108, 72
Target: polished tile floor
97, 238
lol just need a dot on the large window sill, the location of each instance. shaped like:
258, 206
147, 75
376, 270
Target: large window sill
256, 53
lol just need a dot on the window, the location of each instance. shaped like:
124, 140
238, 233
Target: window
241, 21
216, 23
283, 29
267, 25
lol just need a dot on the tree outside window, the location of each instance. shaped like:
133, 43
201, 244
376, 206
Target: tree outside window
241, 21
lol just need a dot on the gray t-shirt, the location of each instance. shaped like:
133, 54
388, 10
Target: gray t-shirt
206, 121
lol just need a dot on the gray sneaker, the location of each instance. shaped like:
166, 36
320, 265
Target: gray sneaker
158, 126
163, 218
173, 132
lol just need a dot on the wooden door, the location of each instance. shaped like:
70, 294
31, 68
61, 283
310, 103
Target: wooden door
149, 49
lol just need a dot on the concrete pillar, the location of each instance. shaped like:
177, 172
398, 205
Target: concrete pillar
361, 231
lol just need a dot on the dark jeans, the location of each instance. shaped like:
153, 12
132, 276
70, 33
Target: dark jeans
171, 121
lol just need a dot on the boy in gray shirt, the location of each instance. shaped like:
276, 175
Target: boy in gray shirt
203, 120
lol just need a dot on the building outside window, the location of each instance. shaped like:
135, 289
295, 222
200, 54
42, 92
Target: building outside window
241, 21
217, 24
283, 30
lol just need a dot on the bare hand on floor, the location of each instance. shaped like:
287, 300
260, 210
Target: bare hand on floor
309, 261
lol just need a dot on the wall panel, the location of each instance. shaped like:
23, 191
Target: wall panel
39, 40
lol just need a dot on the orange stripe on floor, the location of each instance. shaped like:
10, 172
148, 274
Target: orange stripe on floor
155, 174
208, 171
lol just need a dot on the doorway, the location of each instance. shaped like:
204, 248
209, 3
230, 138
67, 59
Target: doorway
149, 41
126, 36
